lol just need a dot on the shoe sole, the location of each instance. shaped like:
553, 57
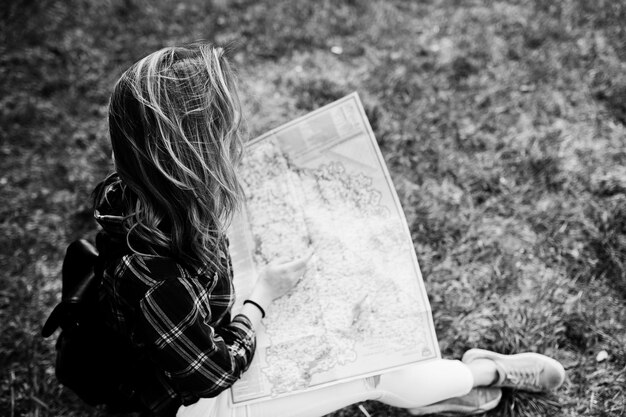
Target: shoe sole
474, 354
447, 410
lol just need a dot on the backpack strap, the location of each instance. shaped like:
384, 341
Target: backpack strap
78, 279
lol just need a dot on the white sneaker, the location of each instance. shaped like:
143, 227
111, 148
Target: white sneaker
523, 371
477, 401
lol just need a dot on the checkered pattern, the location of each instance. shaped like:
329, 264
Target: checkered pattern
179, 318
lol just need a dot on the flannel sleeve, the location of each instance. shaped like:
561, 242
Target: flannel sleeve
197, 358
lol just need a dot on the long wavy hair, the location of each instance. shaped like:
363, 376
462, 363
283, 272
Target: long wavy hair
174, 121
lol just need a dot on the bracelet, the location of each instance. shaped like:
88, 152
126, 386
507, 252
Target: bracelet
257, 306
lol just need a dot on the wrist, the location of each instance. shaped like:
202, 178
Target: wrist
252, 313
261, 296
256, 305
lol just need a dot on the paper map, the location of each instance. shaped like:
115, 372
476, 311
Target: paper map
320, 182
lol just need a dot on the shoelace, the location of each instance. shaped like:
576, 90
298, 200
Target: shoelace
529, 377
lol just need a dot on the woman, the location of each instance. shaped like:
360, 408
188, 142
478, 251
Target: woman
167, 279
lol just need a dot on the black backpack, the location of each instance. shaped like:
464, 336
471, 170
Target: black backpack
92, 360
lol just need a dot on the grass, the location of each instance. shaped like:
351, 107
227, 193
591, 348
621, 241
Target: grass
502, 123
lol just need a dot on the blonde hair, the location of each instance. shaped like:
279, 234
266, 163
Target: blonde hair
174, 121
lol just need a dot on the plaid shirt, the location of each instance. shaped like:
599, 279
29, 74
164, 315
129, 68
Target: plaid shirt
179, 319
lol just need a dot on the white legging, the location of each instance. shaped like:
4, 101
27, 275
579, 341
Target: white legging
411, 387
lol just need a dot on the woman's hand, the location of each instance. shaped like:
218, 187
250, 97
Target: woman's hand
276, 280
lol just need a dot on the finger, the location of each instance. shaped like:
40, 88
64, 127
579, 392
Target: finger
299, 263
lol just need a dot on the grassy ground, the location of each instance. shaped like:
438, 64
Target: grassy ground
503, 124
